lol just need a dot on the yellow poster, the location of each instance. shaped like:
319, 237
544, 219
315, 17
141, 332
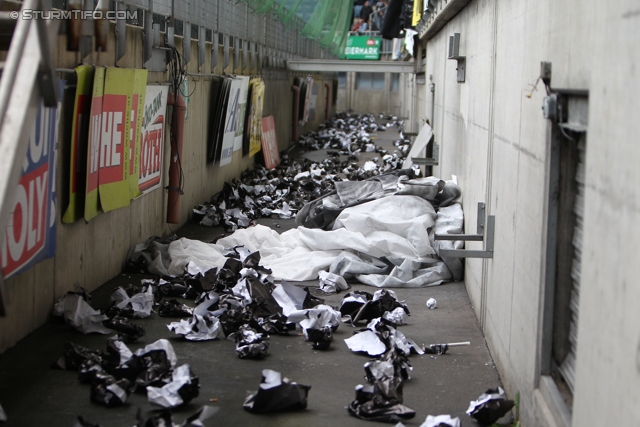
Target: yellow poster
113, 156
79, 139
135, 142
92, 201
257, 102
417, 12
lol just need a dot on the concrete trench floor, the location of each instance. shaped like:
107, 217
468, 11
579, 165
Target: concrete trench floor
33, 394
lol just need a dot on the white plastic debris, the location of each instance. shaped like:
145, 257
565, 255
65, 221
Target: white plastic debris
366, 341
141, 303
440, 421
370, 166
168, 396
79, 314
432, 303
331, 283
397, 316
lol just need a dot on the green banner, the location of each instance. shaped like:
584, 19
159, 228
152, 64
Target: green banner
363, 47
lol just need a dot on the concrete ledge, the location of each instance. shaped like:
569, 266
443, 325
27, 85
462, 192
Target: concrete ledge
334, 65
551, 404
446, 14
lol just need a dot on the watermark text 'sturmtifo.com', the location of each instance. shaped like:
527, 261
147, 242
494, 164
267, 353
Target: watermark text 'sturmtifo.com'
111, 15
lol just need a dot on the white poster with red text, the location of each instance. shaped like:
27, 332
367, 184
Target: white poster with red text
153, 129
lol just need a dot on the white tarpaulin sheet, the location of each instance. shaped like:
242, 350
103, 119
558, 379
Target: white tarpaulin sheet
395, 228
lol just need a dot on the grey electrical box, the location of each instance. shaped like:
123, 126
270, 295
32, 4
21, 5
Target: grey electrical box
550, 107
454, 53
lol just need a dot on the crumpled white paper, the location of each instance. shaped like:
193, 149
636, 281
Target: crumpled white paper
435, 421
141, 303
123, 350
161, 344
167, 396
397, 316
366, 341
203, 326
79, 314
401, 342
331, 283
315, 318
289, 297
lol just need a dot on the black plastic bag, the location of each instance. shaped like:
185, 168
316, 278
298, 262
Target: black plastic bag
173, 308
110, 392
381, 402
490, 407
277, 394
127, 330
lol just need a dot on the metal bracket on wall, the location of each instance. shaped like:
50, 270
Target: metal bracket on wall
202, 36
225, 50
155, 55
454, 53
186, 42
482, 235
433, 161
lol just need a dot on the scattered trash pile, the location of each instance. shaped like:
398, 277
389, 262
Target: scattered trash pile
382, 399
162, 418
117, 372
283, 191
240, 302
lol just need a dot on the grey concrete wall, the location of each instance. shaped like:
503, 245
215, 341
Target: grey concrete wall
494, 138
91, 253
399, 102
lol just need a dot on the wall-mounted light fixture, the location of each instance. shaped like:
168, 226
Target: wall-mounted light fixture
454, 53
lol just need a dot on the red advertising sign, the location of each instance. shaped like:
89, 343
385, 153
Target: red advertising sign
153, 125
270, 143
30, 235
112, 142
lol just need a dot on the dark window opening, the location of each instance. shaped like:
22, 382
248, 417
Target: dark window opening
370, 81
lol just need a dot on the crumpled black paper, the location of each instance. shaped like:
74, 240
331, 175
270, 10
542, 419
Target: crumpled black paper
283, 191
320, 337
110, 392
182, 388
251, 344
490, 406
173, 308
364, 306
381, 401
75, 355
81, 422
127, 330
277, 394
164, 418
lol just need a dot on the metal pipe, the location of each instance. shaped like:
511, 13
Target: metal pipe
327, 100
294, 116
175, 167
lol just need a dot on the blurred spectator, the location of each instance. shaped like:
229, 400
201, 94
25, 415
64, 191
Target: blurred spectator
381, 8
364, 26
365, 12
357, 7
360, 26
